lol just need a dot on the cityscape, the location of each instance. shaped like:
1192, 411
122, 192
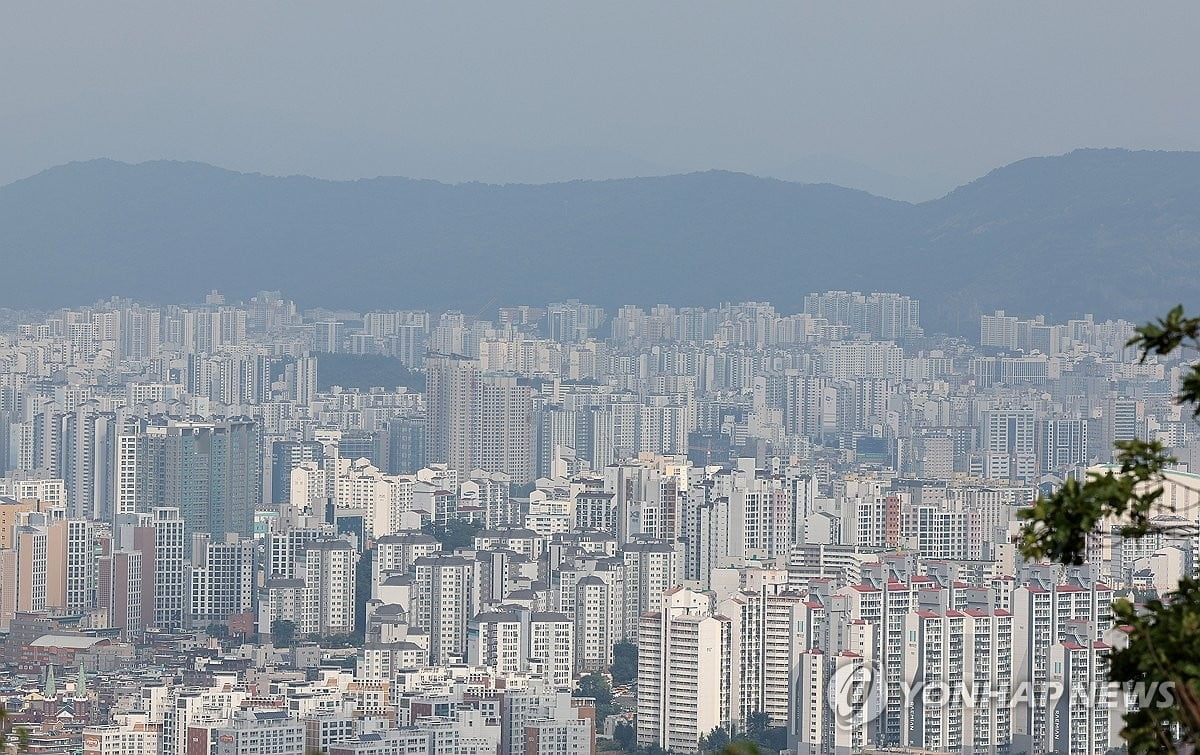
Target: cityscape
561, 529
599, 378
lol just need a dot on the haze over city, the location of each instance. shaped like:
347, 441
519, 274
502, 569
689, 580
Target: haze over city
906, 99
542, 378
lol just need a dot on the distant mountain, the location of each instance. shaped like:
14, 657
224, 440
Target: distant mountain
1111, 232
841, 171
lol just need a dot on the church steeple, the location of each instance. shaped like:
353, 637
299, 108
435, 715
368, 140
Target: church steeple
51, 690
81, 684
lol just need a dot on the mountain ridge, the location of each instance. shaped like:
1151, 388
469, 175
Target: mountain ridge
1061, 235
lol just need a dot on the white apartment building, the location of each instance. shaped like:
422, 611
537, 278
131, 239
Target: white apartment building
1046, 614
521, 641
593, 591
651, 568
329, 588
30, 488
443, 602
398, 552
938, 534
131, 734
884, 603
222, 579
988, 664
285, 549
260, 732
544, 720
933, 668
185, 708
685, 654
1084, 719
384, 498
818, 727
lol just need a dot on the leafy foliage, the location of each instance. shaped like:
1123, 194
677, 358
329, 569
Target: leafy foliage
362, 594
756, 737
741, 747
23, 737
1059, 526
1163, 658
283, 632
454, 534
337, 641
757, 725
625, 736
625, 663
597, 687
1162, 338
365, 371
715, 741
1161, 661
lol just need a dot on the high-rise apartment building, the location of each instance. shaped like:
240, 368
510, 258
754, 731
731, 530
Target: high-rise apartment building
443, 603
767, 648
71, 561
449, 397
1045, 614
1063, 444
88, 462
120, 591
24, 570
478, 420
543, 719
131, 734
406, 444
159, 537
222, 578
34, 486
998, 331
957, 651
1009, 444
329, 588
518, 640
211, 471
685, 662
259, 732
286, 455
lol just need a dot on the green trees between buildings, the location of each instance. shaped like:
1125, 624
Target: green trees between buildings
1162, 657
454, 534
283, 632
625, 663
741, 747
596, 686
716, 743
758, 736
21, 734
362, 595
625, 736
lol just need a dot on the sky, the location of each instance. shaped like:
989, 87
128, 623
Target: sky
904, 98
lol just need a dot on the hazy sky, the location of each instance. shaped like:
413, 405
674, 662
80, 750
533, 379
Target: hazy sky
505, 90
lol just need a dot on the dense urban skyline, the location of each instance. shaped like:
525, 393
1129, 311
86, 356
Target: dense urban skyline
535, 378
721, 513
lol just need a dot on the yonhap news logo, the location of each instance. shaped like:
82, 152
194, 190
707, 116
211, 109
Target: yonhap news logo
856, 694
